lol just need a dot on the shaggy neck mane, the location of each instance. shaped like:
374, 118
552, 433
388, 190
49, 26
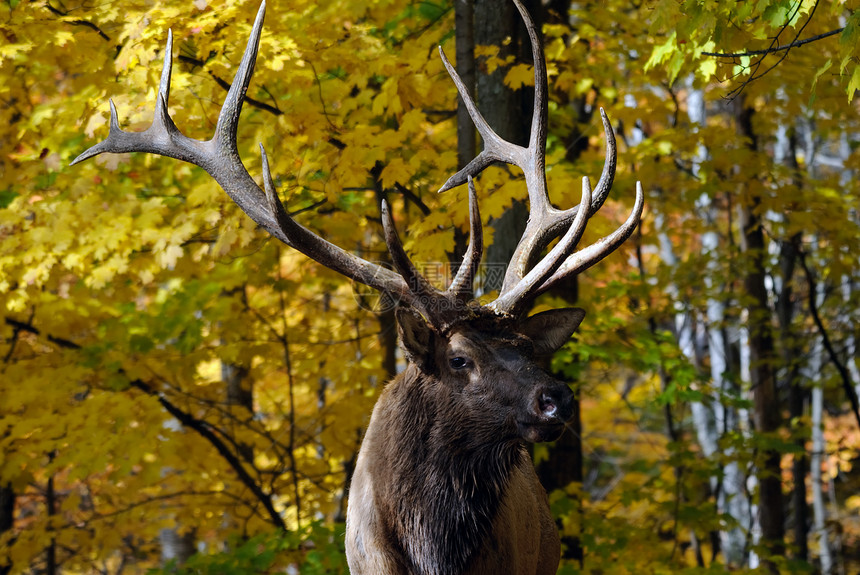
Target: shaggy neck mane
443, 483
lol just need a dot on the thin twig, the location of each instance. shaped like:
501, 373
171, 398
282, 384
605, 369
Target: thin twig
847, 385
225, 85
757, 65
320, 93
767, 51
77, 22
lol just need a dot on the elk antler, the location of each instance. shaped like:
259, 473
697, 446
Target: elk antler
220, 158
526, 277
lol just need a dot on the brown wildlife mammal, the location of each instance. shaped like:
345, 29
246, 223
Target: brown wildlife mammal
443, 484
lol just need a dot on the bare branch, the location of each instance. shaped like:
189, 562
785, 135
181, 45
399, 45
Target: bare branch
845, 377
767, 51
754, 76
226, 86
202, 428
77, 22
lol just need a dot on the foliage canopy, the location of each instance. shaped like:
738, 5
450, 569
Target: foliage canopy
168, 368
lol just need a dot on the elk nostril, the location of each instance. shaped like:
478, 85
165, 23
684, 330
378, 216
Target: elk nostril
547, 405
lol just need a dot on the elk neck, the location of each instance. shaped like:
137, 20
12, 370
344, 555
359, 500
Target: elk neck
440, 479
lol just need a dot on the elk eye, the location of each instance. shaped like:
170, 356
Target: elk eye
458, 362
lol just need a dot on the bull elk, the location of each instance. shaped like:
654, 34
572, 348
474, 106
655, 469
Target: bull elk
443, 483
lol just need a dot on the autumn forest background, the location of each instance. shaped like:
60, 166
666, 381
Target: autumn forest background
180, 393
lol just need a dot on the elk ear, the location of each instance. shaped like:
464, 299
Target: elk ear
416, 337
549, 330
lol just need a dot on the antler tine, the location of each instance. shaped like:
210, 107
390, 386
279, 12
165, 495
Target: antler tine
587, 257
228, 120
495, 147
422, 292
607, 176
543, 225
530, 160
540, 113
328, 254
220, 158
461, 286
512, 301
547, 224
119, 141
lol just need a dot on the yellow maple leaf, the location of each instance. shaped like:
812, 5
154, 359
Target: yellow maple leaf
520, 75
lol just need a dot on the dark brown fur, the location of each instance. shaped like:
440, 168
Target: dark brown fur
443, 484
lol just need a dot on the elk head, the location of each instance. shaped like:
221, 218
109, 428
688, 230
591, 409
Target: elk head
487, 365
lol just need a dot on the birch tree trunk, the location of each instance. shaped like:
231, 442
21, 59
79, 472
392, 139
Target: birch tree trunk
814, 367
818, 461
731, 496
744, 359
848, 283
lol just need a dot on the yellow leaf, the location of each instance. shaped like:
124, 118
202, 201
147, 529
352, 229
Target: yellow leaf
520, 75
396, 172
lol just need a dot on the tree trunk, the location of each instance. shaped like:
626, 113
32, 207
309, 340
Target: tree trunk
176, 546
850, 340
467, 134
754, 561
51, 508
766, 413
818, 448
819, 511
7, 521
239, 386
503, 110
786, 153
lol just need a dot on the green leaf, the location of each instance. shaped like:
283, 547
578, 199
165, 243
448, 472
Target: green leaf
662, 52
854, 83
851, 33
6, 197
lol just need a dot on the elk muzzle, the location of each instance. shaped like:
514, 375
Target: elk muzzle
550, 407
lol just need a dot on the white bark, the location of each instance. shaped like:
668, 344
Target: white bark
703, 416
743, 335
732, 496
175, 546
848, 283
850, 341
818, 459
